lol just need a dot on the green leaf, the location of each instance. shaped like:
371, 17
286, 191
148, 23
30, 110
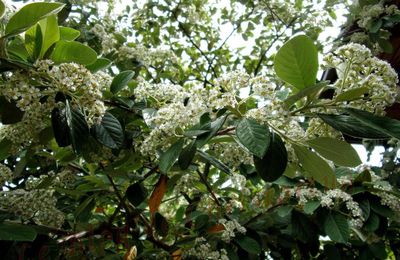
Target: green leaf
29, 15
273, 163
5, 148
78, 127
34, 41
214, 161
375, 26
60, 127
253, 136
169, 157
350, 126
249, 244
17, 232
307, 92
68, 34
50, 33
84, 210
99, 64
315, 167
187, 155
161, 224
214, 127
339, 152
109, 132
2, 8
311, 206
297, 62
121, 80
372, 222
351, 94
337, 227
9, 112
302, 227
136, 194
66, 51
388, 126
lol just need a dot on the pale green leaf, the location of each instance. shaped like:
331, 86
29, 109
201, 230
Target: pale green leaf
315, 167
337, 151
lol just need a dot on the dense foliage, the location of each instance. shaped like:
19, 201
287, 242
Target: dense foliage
145, 133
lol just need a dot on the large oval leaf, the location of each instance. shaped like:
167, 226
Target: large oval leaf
79, 130
29, 15
109, 132
273, 164
337, 227
253, 136
249, 244
339, 152
386, 125
350, 126
17, 232
169, 157
121, 80
297, 62
50, 31
315, 167
136, 193
67, 51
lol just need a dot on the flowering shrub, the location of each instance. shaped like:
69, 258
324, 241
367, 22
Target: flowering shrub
120, 141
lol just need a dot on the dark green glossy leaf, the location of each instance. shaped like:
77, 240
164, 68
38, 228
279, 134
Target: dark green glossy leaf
337, 227
296, 62
29, 15
60, 127
311, 206
273, 163
214, 161
169, 157
121, 80
9, 112
249, 244
253, 136
350, 126
187, 155
161, 224
388, 126
136, 194
214, 127
67, 51
17, 232
372, 222
79, 130
109, 132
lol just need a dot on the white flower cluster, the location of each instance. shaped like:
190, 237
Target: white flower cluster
230, 228
231, 155
318, 128
203, 250
370, 13
387, 198
84, 87
5, 174
356, 68
180, 107
148, 57
36, 205
61, 179
108, 41
328, 199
